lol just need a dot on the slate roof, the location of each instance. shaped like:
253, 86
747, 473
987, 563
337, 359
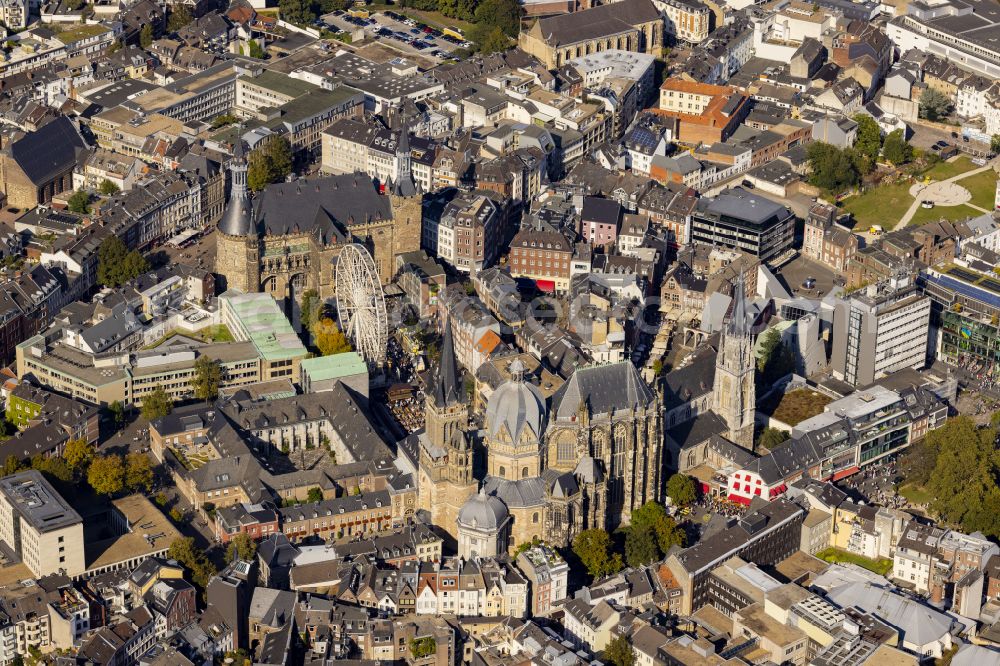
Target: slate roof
589, 24
447, 387
322, 206
604, 389
51, 150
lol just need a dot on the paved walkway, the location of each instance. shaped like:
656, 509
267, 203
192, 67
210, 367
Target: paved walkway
903, 221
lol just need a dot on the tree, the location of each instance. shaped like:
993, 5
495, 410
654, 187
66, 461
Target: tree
488, 39
138, 472
184, 551
421, 648
107, 188
180, 16
653, 516
146, 36
640, 546
116, 265
157, 404
315, 495
964, 480
868, 142
934, 105
681, 489
117, 413
256, 51
771, 438
11, 465
241, 547
106, 475
78, 453
776, 359
503, 14
329, 339
619, 652
593, 547
207, 376
311, 308
832, 169
270, 162
995, 143
52, 467
115, 47
79, 202
896, 149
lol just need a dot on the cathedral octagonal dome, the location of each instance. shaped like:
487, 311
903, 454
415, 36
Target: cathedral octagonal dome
518, 405
483, 512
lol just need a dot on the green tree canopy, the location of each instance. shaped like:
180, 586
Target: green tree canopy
832, 169
11, 465
116, 265
270, 162
770, 438
593, 547
651, 524
52, 467
106, 474
107, 188
157, 404
180, 16
503, 14
194, 559
868, 142
315, 495
681, 489
146, 36
241, 547
934, 105
963, 482
117, 412
79, 202
896, 149
207, 377
619, 652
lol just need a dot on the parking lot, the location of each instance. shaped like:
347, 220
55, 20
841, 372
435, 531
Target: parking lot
398, 31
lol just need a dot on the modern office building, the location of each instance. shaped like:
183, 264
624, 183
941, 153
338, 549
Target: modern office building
879, 330
745, 221
39, 527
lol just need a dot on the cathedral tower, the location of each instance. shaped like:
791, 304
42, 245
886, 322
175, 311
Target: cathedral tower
734, 396
237, 258
445, 479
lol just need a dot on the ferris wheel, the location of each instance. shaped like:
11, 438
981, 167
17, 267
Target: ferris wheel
360, 303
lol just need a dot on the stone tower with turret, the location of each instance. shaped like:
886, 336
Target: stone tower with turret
406, 196
237, 255
446, 457
734, 395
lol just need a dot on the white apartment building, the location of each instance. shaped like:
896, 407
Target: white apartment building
39, 526
880, 330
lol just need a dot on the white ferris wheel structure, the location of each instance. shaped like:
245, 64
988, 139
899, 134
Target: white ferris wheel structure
361, 304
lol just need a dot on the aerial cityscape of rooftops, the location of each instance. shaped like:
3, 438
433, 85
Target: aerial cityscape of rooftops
500, 332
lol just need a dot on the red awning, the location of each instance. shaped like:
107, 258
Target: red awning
548, 286
844, 473
739, 499
705, 488
778, 489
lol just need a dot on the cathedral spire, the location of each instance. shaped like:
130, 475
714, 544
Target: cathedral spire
734, 393
404, 185
447, 388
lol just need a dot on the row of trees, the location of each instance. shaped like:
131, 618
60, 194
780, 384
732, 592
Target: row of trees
105, 474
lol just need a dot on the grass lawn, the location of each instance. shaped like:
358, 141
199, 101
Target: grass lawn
983, 188
945, 170
433, 19
836, 556
950, 213
882, 205
218, 333
915, 494
79, 32
797, 406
